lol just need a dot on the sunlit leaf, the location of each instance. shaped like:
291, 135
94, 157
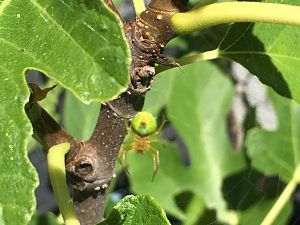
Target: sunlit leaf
137, 210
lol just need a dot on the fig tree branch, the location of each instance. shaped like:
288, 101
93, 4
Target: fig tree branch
90, 165
147, 36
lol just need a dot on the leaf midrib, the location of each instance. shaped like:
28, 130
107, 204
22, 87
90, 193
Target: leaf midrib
203, 140
18, 48
3, 5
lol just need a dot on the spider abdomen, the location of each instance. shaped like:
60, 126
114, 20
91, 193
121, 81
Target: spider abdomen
143, 124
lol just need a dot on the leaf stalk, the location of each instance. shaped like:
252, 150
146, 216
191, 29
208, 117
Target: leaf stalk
57, 172
139, 6
202, 56
231, 12
283, 198
208, 55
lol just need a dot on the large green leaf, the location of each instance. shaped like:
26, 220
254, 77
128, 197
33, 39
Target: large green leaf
82, 123
272, 52
277, 152
78, 44
1, 215
136, 210
17, 177
159, 94
81, 46
198, 109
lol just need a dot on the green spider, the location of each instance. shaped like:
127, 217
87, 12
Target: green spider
141, 134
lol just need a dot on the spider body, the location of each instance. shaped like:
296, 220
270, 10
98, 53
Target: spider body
144, 124
140, 144
141, 134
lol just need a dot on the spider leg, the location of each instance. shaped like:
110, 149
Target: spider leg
155, 155
160, 141
161, 125
156, 134
127, 125
122, 156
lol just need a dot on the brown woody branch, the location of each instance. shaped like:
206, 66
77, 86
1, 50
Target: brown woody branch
147, 36
90, 165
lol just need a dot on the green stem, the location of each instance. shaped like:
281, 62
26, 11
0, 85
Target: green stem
139, 6
231, 12
209, 55
57, 172
283, 198
213, 54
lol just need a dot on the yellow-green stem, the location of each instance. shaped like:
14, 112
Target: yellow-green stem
213, 54
57, 172
283, 198
139, 6
209, 55
231, 12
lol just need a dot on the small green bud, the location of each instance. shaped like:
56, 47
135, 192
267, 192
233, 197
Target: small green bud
143, 124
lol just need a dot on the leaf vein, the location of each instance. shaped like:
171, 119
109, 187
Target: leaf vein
70, 37
3, 5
